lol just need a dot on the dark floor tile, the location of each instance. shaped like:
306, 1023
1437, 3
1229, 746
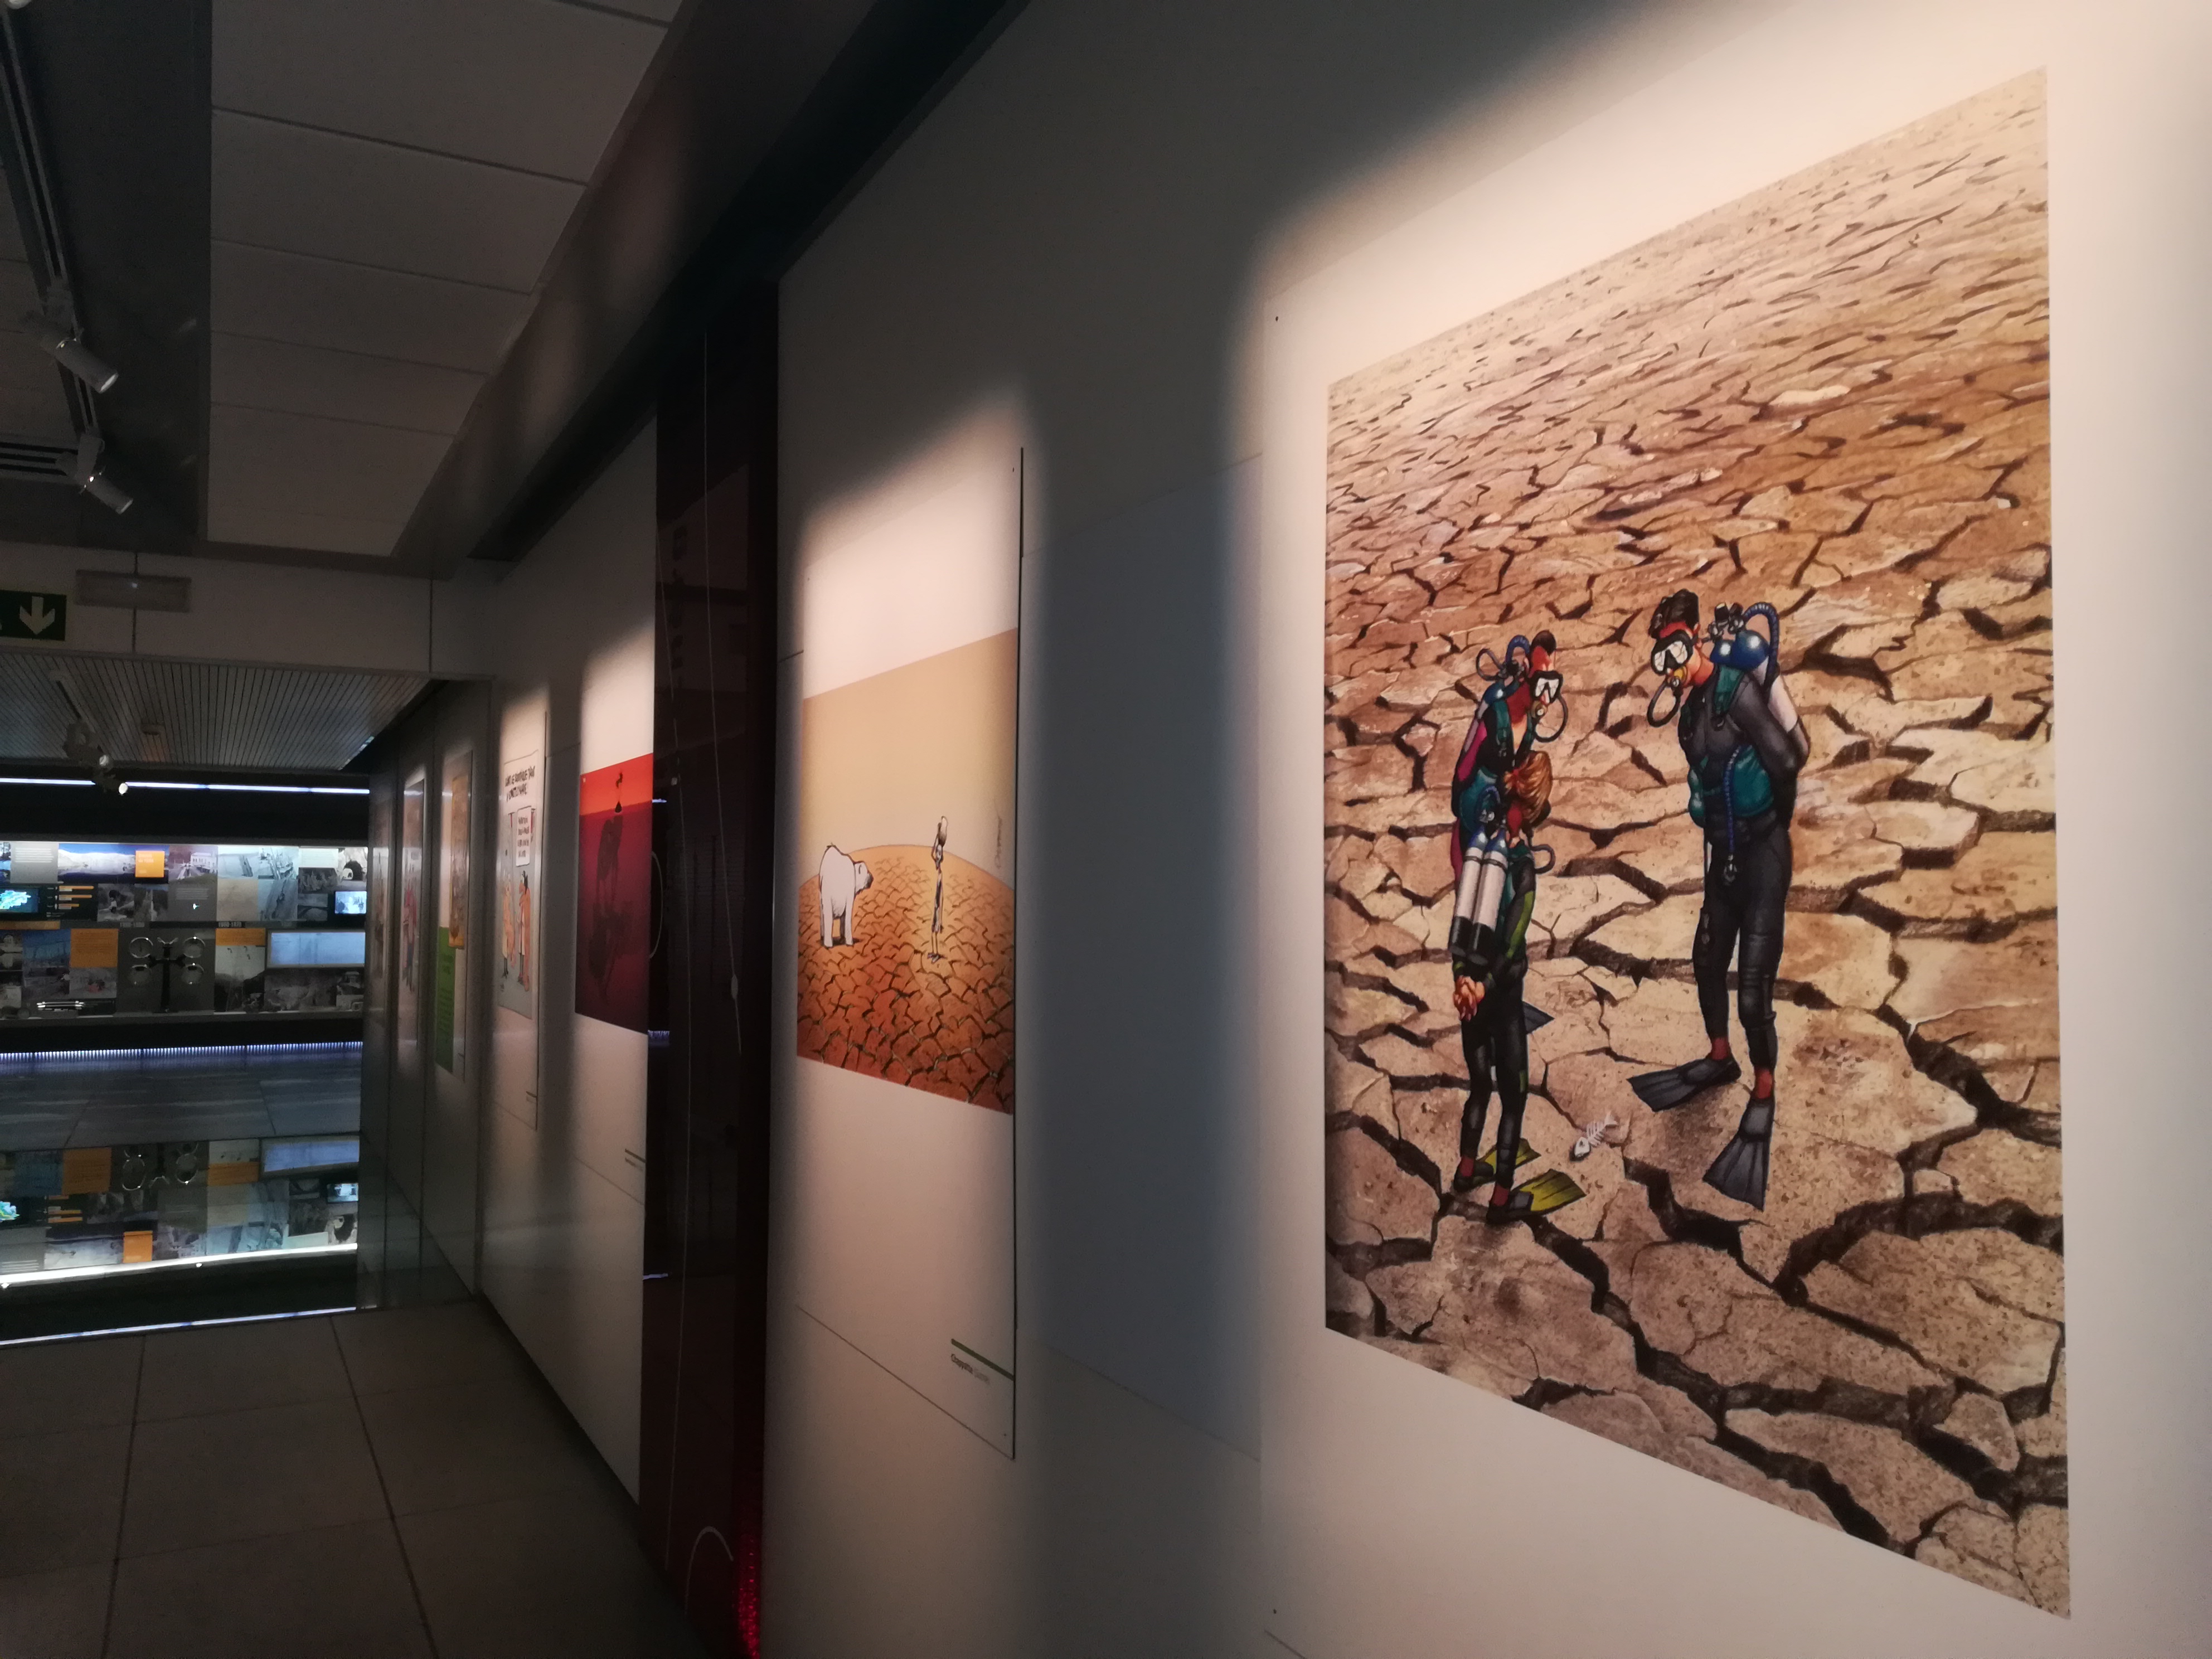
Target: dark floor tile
55, 1615
62, 1495
248, 1474
475, 1444
543, 1578
45, 1386
424, 1347
230, 1367
336, 1593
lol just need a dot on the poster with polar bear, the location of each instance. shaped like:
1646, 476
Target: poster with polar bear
904, 921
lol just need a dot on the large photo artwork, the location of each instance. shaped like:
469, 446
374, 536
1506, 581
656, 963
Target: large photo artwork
908, 677
906, 948
1692, 1029
614, 893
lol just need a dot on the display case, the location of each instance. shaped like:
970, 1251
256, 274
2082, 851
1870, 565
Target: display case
143, 932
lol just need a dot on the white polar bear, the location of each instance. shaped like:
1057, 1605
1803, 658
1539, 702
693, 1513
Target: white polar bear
843, 878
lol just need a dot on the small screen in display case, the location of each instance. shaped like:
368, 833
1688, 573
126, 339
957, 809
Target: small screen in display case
20, 901
354, 904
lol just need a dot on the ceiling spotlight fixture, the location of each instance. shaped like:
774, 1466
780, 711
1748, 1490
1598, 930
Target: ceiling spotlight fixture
89, 473
81, 745
17, 5
60, 340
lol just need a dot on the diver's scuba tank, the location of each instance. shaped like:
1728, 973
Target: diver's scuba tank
1480, 894
1759, 658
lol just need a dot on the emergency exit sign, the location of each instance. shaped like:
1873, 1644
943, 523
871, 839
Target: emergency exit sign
33, 616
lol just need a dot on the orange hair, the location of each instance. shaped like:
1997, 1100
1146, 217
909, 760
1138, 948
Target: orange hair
1529, 787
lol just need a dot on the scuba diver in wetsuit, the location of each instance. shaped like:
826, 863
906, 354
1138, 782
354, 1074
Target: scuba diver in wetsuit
1522, 690
1501, 790
1744, 746
1497, 895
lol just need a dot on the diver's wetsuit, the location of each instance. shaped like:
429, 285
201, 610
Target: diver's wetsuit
1743, 781
1494, 953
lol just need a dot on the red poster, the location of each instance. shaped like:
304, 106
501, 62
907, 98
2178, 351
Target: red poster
614, 892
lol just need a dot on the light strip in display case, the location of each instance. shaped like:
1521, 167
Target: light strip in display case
172, 1325
58, 1275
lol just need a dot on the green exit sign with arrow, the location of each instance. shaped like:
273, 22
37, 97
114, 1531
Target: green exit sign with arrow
33, 616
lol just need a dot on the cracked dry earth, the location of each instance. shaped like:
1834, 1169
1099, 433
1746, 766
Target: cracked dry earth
1829, 395
881, 1006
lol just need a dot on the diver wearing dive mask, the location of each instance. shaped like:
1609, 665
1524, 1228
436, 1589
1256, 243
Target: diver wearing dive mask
1743, 762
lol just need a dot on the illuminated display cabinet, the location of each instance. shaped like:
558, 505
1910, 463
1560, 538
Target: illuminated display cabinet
95, 929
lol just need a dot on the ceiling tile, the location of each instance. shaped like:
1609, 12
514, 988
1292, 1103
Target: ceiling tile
19, 295
660, 11
205, 713
528, 83
247, 373
320, 533
302, 191
36, 412
321, 302
260, 462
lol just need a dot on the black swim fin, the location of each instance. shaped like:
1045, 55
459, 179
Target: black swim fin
1532, 1019
1664, 1090
1740, 1170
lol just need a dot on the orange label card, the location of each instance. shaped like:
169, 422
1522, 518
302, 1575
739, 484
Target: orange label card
88, 1169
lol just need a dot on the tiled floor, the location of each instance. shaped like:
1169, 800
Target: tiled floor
376, 1484
58, 1100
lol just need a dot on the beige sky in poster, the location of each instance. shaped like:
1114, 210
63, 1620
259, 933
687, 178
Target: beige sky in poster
884, 758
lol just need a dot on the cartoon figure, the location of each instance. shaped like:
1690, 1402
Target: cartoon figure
1490, 966
937, 910
1744, 746
1523, 689
506, 929
603, 947
844, 878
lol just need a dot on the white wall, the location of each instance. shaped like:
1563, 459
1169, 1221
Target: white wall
1094, 224
245, 611
571, 631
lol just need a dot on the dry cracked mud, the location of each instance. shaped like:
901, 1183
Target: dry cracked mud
1832, 396
884, 1005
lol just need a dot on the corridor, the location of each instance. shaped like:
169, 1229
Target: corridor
362, 1485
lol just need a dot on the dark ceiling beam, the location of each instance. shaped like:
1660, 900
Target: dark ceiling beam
760, 119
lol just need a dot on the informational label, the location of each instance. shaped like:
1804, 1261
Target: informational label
27, 616
449, 1013
448, 984
515, 984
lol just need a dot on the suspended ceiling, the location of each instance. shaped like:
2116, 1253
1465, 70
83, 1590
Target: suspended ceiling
389, 181
388, 280
151, 713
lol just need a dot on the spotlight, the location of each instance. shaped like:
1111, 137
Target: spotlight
89, 473
81, 746
64, 346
